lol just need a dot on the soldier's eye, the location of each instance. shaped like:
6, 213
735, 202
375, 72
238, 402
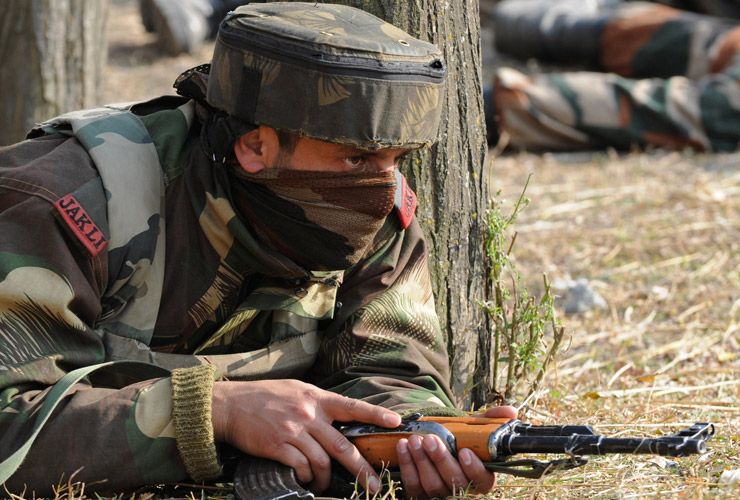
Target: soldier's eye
358, 161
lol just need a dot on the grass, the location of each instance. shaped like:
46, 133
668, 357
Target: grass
658, 235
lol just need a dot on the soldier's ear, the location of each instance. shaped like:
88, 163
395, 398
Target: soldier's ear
257, 149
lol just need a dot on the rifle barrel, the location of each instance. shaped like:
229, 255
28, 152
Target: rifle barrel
600, 445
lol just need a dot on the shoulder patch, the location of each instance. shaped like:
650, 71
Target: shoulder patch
80, 225
405, 201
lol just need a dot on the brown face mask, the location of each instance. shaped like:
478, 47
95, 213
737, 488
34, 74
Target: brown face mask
321, 220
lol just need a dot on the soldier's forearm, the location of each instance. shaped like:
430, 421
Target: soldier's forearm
110, 439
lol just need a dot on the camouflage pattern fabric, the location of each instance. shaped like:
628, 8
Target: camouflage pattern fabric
371, 83
673, 77
346, 209
722, 8
95, 266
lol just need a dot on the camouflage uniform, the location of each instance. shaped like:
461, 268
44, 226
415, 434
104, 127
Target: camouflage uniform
123, 242
674, 76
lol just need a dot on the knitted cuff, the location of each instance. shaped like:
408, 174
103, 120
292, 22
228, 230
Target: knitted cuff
192, 390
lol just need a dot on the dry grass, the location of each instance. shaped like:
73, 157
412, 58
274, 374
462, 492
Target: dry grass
657, 234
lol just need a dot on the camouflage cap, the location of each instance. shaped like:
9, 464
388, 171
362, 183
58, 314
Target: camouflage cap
330, 72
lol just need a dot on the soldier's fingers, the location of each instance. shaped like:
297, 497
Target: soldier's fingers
349, 409
318, 460
500, 412
431, 482
292, 457
482, 480
344, 452
447, 467
409, 475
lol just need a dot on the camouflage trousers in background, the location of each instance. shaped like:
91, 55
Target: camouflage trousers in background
659, 77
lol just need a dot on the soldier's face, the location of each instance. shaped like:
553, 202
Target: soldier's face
260, 149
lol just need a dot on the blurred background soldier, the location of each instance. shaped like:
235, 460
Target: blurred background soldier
182, 26
665, 77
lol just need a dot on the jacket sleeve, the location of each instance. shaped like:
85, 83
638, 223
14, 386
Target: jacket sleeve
114, 427
385, 345
667, 78
577, 110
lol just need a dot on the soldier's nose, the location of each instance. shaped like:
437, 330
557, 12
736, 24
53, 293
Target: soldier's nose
386, 165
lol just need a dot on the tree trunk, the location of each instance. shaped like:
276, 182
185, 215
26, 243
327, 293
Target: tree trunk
53, 53
450, 184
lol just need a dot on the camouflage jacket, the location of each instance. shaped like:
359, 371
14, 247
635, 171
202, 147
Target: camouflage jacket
120, 242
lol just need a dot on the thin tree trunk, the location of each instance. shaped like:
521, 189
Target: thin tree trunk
53, 53
450, 184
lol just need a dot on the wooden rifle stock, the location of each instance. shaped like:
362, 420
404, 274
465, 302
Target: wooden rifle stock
379, 448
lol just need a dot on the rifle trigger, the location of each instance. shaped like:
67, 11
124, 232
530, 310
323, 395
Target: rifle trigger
407, 427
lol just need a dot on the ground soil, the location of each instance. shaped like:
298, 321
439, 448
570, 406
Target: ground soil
657, 234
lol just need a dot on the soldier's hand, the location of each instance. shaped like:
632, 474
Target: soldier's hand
428, 469
291, 422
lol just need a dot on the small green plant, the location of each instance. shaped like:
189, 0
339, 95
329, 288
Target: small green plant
526, 332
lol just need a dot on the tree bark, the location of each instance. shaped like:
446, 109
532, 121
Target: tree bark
53, 53
450, 184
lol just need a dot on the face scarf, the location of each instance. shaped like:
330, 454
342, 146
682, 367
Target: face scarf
323, 221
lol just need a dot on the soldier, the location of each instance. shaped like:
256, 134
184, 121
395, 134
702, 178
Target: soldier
236, 266
184, 25
673, 81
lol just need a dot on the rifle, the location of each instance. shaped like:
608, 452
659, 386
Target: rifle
495, 441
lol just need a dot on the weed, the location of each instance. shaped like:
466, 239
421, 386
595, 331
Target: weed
526, 331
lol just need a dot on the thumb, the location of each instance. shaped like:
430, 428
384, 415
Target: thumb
500, 412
